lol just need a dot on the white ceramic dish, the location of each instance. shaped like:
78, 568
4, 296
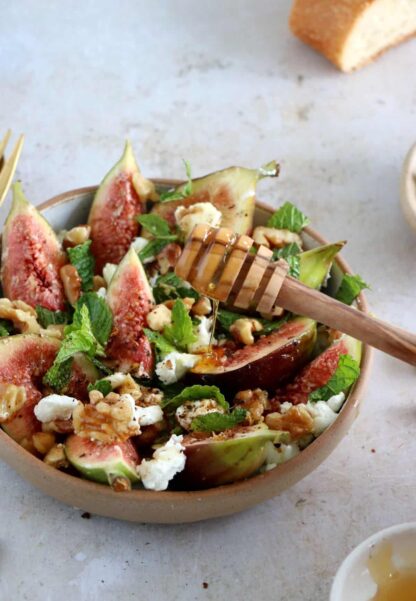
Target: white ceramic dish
353, 581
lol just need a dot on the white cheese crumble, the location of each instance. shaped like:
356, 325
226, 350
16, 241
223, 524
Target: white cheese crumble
167, 461
323, 413
192, 409
203, 332
109, 270
142, 416
139, 243
117, 379
201, 212
174, 366
102, 292
55, 406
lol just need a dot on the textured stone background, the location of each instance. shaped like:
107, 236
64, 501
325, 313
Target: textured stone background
220, 84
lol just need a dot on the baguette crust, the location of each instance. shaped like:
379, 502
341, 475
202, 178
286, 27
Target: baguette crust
326, 25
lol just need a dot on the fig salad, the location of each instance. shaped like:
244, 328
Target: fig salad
114, 369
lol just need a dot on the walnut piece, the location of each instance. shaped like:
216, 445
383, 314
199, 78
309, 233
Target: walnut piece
12, 399
107, 419
202, 306
242, 330
159, 317
56, 457
43, 442
297, 421
255, 402
77, 235
274, 238
72, 283
22, 315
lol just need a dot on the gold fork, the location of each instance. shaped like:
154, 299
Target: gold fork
8, 167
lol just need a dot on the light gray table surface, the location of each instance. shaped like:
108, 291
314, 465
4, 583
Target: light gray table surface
220, 83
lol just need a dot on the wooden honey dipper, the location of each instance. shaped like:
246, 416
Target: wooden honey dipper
219, 263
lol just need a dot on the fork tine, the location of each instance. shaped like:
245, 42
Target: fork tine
7, 173
3, 145
4, 142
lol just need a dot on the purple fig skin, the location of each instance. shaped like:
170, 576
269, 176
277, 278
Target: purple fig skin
266, 364
232, 456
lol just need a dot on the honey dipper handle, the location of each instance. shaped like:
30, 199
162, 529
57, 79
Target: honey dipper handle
298, 298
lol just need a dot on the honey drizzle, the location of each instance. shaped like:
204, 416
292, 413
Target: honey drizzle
392, 584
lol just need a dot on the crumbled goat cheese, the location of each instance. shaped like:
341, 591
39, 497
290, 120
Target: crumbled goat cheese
201, 212
117, 379
284, 407
139, 243
167, 461
277, 455
203, 332
174, 366
109, 270
336, 401
142, 416
55, 406
102, 292
192, 409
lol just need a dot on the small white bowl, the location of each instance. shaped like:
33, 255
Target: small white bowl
353, 581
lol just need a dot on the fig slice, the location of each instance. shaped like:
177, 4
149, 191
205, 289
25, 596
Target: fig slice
232, 191
130, 299
104, 463
228, 457
24, 360
266, 364
318, 372
120, 197
316, 263
31, 257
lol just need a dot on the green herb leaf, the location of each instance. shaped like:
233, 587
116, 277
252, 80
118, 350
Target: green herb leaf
183, 191
100, 315
227, 318
81, 257
345, 375
196, 393
170, 286
290, 253
180, 333
153, 248
46, 317
154, 224
218, 422
59, 374
101, 366
350, 288
288, 217
103, 386
78, 338
159, 341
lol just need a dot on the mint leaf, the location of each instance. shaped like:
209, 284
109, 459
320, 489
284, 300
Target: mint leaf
153, 248
350, 288
289, 253
180, 333
46, 317
100, 315
218, 422
59, 374
170, 286
288, 217
103, 386
345, 375
227, 318
154, 224
183, 191
197, 393
159, 341
81, 257
78, 338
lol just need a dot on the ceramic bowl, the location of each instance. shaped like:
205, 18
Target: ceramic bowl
353, 581
69, 209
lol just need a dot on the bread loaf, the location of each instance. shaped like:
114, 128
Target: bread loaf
351, 33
